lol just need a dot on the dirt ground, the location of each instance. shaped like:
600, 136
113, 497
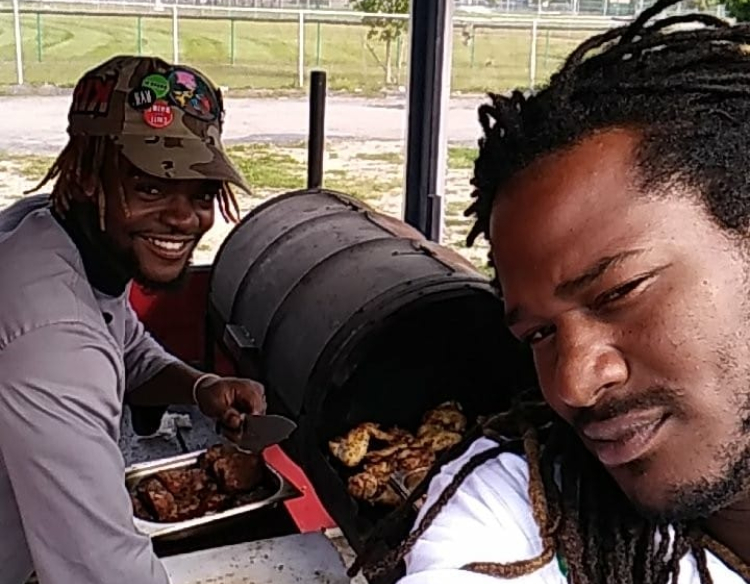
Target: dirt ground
370, 169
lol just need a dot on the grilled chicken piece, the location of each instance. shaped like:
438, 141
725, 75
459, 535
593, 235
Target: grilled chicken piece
159, 500
352, 448
373, 488
139, 510
441, 428
447, 416
363, 485
181, 482
438, 440
188, 507
212, 454
414, 458
214, 501
384, 453
238, 472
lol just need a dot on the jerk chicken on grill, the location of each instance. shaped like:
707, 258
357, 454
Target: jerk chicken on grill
399, 450
222, 479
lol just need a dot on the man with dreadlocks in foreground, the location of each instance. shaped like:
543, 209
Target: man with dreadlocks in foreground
617, 204
134, 191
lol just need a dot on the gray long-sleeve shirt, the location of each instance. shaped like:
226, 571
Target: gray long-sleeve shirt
64, 371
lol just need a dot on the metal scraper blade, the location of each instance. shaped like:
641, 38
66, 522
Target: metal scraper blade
258, 432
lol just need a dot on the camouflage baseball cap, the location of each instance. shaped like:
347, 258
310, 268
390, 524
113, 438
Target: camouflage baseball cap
166, 119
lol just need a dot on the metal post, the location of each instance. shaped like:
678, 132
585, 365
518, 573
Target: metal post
318, 46
532, 53
19, 42
316, 139
139, 34
431, 30
39, 37
231, 40
473, 42
175, 36
301, 54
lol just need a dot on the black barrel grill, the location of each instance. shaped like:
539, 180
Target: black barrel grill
348, 315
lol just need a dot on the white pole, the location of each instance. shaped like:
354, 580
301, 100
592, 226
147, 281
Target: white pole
301, 47
445, 93
19, 42
532, 53
175, 36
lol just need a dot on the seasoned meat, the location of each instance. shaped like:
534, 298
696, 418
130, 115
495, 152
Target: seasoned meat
371, 488
363, 485
446, 416
214, 502
238, 472
181, 482
139, 510
415, 458
188, 507
352, 448
442, 427
159, 500
211, 455
438, 440
223, 478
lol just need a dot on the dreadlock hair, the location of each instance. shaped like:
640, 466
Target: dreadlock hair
686, 90
85, 157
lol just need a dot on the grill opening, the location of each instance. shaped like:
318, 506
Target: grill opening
447, 348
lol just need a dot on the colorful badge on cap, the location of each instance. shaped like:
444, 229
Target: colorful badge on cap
156, 83
141, 98
159, 115
193, 94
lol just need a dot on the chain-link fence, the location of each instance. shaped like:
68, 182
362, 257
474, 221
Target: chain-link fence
246, 47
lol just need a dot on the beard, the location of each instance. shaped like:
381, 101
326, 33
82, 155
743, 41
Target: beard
130, 263
698, 500
153, 286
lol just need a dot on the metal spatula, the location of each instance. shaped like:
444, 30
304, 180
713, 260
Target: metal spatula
259, 432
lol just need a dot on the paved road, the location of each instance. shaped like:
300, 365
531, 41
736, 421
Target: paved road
36, 124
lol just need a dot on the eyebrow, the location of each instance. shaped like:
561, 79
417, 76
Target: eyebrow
586, 278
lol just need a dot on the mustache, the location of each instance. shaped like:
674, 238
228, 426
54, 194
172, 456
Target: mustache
654, 397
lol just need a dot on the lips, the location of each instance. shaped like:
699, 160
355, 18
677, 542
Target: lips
170, 249
623, 439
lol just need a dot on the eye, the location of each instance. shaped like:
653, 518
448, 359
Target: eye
622, 291
149, 191
206, 197
537, 335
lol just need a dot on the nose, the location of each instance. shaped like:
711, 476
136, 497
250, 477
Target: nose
588, 363
180, 213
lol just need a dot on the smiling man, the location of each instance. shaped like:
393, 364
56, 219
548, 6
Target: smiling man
134, 191
617, 203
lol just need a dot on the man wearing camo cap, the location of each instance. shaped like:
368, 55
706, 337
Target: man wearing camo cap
133, 192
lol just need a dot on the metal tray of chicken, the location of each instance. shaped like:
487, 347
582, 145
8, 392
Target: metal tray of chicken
280, 489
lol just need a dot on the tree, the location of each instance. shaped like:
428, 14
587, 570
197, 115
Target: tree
739, 9
386, 30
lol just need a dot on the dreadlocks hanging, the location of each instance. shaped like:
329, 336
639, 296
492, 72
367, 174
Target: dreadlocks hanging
84, 157
687, 90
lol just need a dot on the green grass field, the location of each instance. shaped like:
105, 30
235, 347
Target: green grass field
263, 55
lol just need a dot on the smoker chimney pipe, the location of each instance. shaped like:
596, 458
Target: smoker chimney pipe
316, 138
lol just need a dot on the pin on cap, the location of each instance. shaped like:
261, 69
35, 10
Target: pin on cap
157, 83
159, 115
141, 98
